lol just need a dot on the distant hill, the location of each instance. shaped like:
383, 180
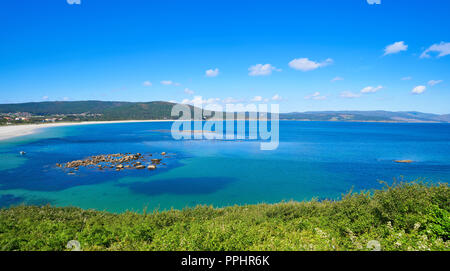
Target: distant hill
162, 110
140, 111
50, 108
383, 116
108, 110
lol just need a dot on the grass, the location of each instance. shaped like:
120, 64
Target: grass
404, 216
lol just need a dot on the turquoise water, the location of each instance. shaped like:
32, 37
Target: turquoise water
314, 160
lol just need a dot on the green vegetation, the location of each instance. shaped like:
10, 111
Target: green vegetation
53, 108
86, 111
140, 111
106, 111
407, 216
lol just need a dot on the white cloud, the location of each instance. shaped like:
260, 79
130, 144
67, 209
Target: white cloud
257, 99
442, 48
419, 89
276, 97
147, 83
371, 2
406, 78
396, 47
212, 100
166, 82
337, 78
198, 100
231, 100
45, 98
371, 89
315, 96
66, 99
188, 91
76, 2
349, 94
434, 82
304, 64
212, 73
169, 82
260, 69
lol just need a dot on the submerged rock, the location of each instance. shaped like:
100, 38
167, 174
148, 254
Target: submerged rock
403, 161
156, 161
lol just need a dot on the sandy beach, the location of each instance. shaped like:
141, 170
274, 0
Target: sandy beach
10, 131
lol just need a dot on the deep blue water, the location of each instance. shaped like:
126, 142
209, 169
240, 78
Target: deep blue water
314, 160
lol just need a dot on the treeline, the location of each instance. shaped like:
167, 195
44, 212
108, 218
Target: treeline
94, 110
101, 110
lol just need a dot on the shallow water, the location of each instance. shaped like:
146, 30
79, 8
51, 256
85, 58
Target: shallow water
314, 160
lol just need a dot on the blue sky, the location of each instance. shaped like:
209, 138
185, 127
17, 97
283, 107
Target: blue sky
394, 55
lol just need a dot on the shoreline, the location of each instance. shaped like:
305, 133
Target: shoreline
12, 131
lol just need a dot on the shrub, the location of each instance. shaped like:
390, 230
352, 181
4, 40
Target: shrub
403, 216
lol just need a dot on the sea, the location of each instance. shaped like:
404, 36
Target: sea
313, 161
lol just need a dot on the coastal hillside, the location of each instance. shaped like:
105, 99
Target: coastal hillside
95, 110
407, 216
109, 110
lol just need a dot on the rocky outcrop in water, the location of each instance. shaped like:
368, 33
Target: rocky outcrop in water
156, 161
403, 161
117, 161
